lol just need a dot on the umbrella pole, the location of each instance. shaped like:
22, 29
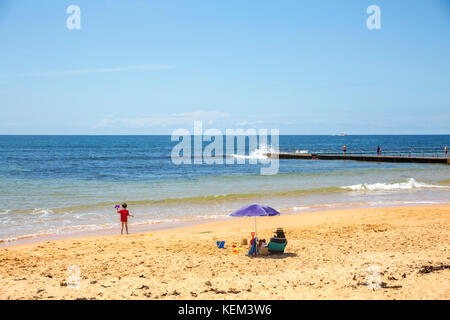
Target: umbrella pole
256, 237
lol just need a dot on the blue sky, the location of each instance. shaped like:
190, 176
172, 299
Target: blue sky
148, 67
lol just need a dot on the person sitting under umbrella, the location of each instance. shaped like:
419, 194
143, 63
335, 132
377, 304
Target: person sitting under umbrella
255, 210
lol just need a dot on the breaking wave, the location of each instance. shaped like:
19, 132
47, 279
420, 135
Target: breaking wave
258, 154
408, 185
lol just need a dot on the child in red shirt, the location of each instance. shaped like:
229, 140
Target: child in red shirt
124, 213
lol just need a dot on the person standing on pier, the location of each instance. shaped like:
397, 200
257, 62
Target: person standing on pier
378, 151
344, 149
445, 151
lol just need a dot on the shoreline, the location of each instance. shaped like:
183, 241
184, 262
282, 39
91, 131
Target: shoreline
179, 224
328, 256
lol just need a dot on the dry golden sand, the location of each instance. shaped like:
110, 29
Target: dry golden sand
328, 255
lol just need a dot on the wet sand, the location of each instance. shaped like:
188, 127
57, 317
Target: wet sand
363, 253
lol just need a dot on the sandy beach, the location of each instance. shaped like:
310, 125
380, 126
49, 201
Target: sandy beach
402, 251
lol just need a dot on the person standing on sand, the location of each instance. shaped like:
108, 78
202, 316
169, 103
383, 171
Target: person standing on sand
124, 213
344, 149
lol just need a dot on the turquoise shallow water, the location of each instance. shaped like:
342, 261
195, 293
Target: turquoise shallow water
62, 184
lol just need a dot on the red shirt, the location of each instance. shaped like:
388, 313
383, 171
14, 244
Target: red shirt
123, 215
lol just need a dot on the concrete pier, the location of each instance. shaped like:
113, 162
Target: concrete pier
318, 156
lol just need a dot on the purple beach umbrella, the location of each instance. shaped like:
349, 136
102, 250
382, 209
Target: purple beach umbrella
255, 210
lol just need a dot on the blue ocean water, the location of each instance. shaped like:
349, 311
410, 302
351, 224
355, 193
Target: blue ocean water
58, 184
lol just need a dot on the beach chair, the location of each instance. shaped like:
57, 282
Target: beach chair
278, 243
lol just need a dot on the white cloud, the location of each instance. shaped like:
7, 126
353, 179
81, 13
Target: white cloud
248, 123
162, 119
195, 115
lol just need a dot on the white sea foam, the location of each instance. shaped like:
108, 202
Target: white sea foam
58, 231
404, 202
41, 212
212, 216
257, 154
408, 185
4, 212
300, 208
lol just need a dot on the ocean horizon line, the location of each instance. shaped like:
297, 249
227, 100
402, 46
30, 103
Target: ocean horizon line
164, 135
